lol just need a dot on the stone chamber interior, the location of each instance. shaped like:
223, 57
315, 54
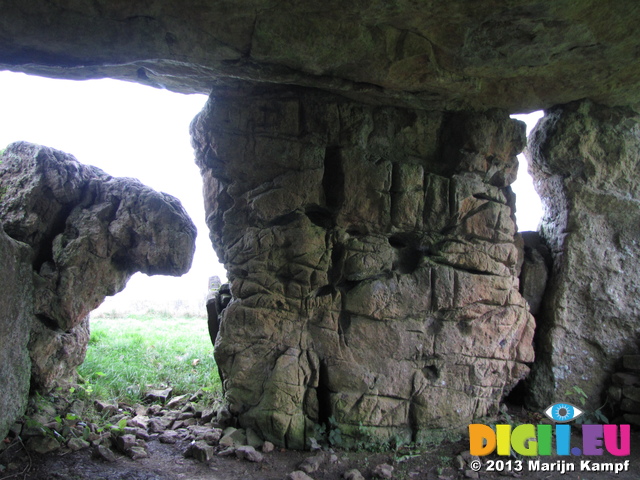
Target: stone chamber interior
359, 198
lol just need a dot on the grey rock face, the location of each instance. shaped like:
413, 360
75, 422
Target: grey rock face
372, 262
456, 54
77, 235
584, 159
15, 325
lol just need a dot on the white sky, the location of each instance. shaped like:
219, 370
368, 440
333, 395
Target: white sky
129, 130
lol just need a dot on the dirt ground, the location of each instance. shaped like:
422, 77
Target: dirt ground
167, 462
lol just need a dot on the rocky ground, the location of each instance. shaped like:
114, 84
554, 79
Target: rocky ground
182, 439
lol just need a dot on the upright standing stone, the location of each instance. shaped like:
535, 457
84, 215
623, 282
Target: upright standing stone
372, 262
16, 318
585, 160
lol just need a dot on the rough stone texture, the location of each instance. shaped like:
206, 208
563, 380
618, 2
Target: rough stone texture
535, 270
15, 324
372, 262
519, 55
90, 232
77, 235
584, 159
56, 353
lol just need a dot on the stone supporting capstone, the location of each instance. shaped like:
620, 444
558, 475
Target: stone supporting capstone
585, 160
372, 262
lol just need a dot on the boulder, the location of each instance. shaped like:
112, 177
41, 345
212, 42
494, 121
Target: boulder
535, 270
89, 231
71, 235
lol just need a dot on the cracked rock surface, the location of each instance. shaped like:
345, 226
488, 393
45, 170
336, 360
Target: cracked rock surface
372, 262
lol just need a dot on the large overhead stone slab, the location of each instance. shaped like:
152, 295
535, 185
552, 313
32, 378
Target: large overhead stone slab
519, 55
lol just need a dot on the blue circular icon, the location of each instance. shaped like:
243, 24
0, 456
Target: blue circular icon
562, 412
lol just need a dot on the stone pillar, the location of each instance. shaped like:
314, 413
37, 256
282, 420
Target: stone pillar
585, 160
16, 313
372, 262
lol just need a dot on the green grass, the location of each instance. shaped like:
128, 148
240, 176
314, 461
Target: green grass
127, 357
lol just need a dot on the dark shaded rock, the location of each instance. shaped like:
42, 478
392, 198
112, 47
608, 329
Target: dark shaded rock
372, 263
631, 362
42, 445
158, 395
520, 56
16, 320
104, 453
535, 270
581, 156
125, 442
624, 379
218, 298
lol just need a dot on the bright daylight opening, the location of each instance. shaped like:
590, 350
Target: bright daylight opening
154, 333
528, 205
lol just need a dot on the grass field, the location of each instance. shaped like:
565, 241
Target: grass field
129, 356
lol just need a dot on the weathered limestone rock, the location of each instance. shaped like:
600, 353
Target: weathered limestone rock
77, 235
372, 262
519, 55
584, 159
15, 324
90, 232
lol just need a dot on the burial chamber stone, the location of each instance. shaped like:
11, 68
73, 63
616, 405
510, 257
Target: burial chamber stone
71, 235
462, 56
520, 55
585, 159
372, 261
